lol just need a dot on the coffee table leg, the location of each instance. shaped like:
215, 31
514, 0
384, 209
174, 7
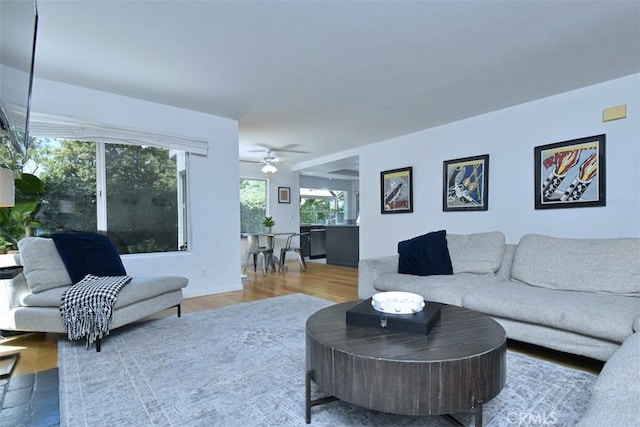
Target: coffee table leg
310, 403
307, 387
478, 413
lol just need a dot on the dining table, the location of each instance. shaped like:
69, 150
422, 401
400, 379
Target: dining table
264, 241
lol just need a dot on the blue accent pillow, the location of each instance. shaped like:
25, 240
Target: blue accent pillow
88, 253
425, 255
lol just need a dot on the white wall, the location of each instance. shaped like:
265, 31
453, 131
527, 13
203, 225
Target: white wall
509, 137
211, 264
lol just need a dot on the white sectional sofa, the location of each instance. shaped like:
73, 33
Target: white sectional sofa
580, 296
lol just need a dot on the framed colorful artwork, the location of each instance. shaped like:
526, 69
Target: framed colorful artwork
570, 174
396, 191
466, 184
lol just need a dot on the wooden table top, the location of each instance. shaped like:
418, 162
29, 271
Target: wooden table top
460, 333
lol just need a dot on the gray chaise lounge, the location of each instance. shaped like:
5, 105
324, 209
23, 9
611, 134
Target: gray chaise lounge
30, 302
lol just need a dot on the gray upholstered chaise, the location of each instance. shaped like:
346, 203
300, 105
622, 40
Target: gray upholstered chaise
31, 301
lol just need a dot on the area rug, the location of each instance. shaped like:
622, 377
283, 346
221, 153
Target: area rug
244, 365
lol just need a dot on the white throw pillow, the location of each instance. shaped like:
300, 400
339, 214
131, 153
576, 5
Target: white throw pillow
43, 267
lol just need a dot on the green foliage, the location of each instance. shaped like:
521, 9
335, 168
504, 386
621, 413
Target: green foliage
268, 221
313, 211
15, 161
321, 210
19, 220
253, 204
69, 169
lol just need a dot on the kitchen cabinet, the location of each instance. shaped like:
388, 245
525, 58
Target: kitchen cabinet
343, 245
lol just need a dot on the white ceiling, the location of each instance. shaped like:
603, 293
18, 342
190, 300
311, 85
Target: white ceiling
327, 76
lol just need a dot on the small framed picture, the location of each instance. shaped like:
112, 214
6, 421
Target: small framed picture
466, 184
570, 174
284, 195
396, 191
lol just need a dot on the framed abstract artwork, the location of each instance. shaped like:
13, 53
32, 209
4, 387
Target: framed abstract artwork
466, 184
284, 194
570, 174
396, 191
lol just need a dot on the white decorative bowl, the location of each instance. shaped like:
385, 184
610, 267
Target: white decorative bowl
397, 302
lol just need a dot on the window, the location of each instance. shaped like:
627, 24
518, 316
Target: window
142, 197
68, 169
322, 206
253, 204
137, 194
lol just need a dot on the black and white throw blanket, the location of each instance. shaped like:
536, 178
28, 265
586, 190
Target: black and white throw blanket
87, 306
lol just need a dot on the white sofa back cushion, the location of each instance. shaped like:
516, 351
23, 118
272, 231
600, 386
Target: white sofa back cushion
594, 265
43, 267
479, 253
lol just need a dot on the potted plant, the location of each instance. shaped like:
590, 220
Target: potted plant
18, 221
268, 222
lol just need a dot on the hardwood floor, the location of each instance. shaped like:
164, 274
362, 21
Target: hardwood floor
39, 351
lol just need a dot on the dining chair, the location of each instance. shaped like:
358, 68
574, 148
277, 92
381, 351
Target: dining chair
290, 246
255, 250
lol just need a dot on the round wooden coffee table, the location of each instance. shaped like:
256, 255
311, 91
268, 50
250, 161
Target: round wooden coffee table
459, 366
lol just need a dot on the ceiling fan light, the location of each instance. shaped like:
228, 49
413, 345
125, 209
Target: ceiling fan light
269, 168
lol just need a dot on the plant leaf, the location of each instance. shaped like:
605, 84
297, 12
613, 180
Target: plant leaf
29, 183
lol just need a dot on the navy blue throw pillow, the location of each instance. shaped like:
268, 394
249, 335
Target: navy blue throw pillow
88, 253
425, 255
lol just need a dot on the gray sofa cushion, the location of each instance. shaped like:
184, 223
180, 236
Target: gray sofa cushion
446, 289
139, 289
478, 253
43, 267
601, 316
594, 265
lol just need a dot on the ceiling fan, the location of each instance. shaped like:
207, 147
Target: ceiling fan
268, 162
269, 159
284, 149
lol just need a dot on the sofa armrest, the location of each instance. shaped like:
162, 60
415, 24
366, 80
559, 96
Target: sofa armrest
616, 393
11, 291
636, 324
369, 269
